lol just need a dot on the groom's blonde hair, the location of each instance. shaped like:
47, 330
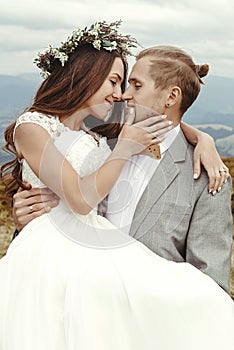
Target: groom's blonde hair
172, 66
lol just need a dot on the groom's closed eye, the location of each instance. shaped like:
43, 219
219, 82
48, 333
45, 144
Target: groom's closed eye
137, 86
135, 83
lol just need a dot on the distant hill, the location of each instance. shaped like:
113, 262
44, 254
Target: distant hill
212, 112
16, 93
226, 145
216, 96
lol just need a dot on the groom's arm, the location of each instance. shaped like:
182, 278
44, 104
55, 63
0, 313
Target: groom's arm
30, 204
41, 201
209, 240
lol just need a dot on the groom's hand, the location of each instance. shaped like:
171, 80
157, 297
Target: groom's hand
32, 203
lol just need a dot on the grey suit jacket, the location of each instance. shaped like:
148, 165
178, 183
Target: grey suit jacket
179, 220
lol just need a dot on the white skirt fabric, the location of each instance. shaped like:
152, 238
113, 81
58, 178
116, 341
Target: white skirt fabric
59, 291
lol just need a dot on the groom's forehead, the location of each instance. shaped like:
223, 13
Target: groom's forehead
140, 70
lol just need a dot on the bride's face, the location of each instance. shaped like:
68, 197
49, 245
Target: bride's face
101, 103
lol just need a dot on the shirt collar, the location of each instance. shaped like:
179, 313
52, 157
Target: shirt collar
169, 139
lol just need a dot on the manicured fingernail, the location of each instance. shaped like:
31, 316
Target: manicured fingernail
210, 190
195, 176
225, 181
170, 122
163, 116
219, 189
214, 193
47, 209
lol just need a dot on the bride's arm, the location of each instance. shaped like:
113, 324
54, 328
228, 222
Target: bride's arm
206, 154
81, 193
34, 144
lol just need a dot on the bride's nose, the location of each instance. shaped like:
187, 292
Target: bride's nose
117, 96
117, 93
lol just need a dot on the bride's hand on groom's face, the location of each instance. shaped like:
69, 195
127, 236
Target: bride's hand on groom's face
32, 203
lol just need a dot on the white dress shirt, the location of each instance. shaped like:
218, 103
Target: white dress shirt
131, 184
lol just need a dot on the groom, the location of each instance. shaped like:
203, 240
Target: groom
157, 201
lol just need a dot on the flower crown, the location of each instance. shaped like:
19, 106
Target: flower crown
101, 35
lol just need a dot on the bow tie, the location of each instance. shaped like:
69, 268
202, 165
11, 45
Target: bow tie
153, 151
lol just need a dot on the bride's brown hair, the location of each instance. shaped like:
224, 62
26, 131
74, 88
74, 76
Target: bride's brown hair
64, 91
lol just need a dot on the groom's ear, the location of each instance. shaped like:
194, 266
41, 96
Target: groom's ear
175, 96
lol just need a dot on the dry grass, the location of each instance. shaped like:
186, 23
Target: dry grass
7, 224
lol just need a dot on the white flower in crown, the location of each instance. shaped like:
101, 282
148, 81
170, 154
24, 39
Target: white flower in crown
94, 33
96, 26
61, 56
76, 35
94, 30
109, 48
44, 74
114, 44
109, 45
124, 46
97, 44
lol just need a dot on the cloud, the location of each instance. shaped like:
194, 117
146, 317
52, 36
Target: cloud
206, 28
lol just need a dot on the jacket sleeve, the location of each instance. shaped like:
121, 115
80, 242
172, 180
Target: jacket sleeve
209, 239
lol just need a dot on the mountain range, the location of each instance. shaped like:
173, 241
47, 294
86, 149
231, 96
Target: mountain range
212, 112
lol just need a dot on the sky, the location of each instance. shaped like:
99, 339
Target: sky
203, 28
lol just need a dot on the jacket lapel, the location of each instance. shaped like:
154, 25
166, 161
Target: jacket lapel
165, 173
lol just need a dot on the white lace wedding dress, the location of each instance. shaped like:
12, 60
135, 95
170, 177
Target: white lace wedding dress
73, 282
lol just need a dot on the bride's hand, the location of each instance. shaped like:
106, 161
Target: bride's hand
32, 203
205, 153
136, 137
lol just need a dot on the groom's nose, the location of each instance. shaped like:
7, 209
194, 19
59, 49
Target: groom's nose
127, 96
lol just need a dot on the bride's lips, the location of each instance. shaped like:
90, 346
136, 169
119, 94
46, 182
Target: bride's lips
109, 103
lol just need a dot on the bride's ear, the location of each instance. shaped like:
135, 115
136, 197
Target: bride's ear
174, 97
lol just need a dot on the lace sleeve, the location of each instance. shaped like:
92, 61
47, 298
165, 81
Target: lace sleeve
50, 123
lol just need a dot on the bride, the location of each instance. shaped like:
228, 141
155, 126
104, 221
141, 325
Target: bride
71, 280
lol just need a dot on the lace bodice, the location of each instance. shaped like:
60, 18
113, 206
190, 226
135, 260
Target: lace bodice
80, 148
